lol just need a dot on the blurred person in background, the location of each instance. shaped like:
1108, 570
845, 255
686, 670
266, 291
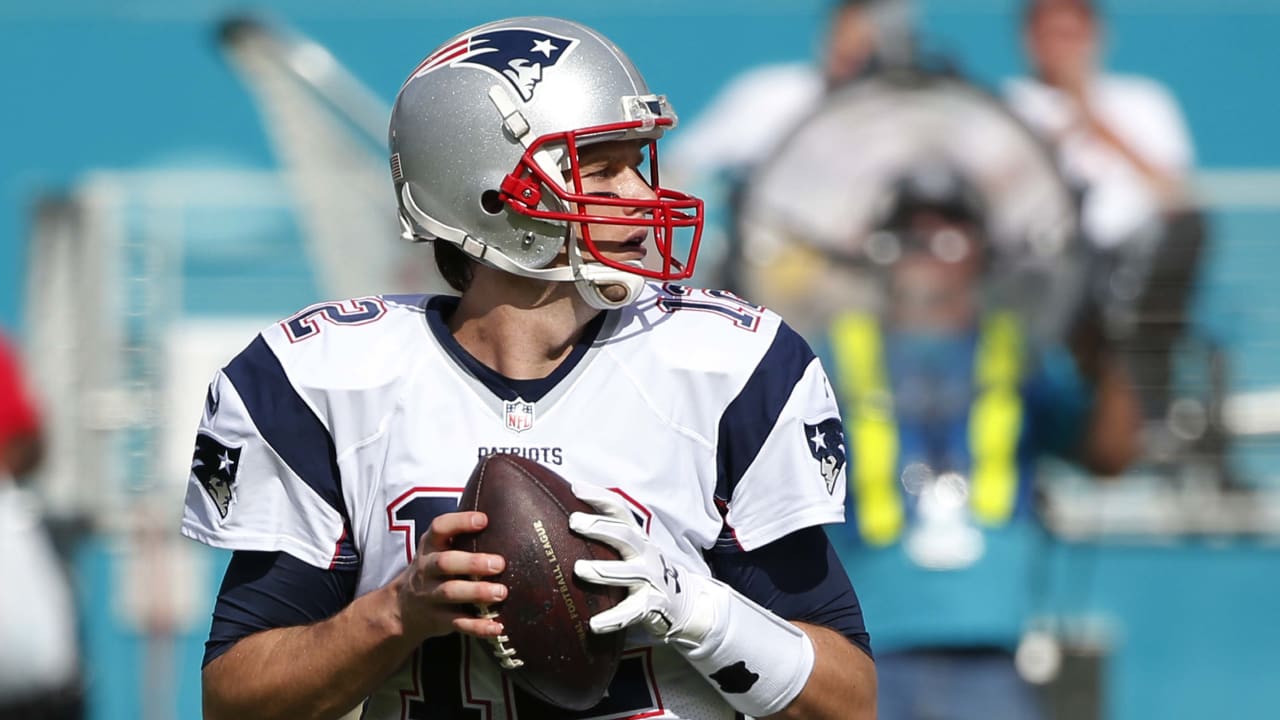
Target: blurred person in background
21, 439
1122, 141
747, 118
38, 645
947, 409
751, 114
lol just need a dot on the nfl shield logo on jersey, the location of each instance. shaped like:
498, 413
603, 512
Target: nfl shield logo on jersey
519, 415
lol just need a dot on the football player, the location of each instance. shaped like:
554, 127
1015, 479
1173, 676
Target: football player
333, 449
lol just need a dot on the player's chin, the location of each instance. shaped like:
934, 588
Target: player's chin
626, 253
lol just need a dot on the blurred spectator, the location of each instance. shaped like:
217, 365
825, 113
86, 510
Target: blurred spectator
948, 408
1122, 142
1120, 138
746, 120
750, 115
38, 667
21, 441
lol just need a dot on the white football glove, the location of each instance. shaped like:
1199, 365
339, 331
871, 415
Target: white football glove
668, 600
757, 661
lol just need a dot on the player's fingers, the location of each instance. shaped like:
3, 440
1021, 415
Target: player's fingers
478, 627
605, 501
466, 619
626, 613
444, 528
460, 562
619, 573
456, 591
623, 535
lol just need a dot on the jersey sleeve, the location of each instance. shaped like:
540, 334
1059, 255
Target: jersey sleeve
264, 475
781, 453
262, 591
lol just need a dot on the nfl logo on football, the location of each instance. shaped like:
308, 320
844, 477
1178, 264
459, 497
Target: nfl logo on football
519, 415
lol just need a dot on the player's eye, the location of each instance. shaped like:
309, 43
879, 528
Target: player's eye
597, 170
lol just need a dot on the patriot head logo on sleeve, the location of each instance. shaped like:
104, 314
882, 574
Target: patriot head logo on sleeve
518, 55
826, 444
215, 465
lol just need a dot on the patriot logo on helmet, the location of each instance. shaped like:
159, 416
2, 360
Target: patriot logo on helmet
518, 55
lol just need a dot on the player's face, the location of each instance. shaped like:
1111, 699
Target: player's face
619, 170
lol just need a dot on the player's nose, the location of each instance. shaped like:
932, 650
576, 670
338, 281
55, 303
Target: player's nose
635, 187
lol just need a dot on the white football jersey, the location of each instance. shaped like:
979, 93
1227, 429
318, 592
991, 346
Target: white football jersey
339, 433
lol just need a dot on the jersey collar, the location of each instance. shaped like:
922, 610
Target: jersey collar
441, 307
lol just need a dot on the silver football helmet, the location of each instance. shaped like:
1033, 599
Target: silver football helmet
485, 132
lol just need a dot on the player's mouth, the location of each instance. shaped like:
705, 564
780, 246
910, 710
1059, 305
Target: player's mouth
632, 248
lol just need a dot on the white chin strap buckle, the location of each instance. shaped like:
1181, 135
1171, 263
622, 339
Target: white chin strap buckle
593, 280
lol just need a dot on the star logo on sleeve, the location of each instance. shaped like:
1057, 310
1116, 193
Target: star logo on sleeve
826, 443
215, 466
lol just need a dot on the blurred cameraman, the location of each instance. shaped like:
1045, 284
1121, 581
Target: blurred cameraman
948, 406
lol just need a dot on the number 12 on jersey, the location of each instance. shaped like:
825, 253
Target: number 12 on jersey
743, 314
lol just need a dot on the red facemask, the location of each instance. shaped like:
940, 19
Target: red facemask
523, 189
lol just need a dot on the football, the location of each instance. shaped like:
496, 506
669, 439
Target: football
548, 648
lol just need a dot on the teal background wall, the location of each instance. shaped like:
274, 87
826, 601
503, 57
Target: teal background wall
135, 82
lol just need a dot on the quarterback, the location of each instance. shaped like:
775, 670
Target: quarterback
333, 448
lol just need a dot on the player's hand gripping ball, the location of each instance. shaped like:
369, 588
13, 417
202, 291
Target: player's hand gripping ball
548, 647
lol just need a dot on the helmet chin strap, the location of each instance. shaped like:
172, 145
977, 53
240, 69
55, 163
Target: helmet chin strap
592, 280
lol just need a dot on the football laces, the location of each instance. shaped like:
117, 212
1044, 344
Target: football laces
498, 645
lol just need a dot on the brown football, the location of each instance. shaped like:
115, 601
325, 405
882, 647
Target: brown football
548, 649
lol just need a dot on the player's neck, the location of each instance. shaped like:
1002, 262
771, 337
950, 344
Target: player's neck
523, 330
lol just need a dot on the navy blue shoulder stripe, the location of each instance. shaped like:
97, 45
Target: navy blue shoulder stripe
290, 427
751, 416
414, 300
